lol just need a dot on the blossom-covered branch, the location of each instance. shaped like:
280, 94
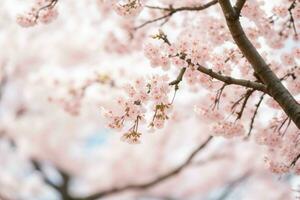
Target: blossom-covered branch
43, 11
187, 61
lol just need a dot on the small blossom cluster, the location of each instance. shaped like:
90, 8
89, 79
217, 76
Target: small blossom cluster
253, 11
207, 114
43, 11
276, 167
272, 103
228, 129
282, 145
156, 56
268, 138
128, 8
72, 100
186, 48
72, 104
274, 29
132, 111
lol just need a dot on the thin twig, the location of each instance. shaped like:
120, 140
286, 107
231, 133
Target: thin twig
246, 98
50, 5
233, 184
255, 113
218, 96
171, 11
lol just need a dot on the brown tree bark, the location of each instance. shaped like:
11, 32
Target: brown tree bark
274, 86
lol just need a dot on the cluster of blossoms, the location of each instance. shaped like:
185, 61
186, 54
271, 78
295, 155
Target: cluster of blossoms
228, 129
198, 44
72, 100
180, 3
207, 114
275, 29
187, 53
128, 8
222, 128
43, 11
156, 56
282, 144
131, 111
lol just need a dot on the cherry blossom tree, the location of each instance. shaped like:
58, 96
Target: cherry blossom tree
204, 95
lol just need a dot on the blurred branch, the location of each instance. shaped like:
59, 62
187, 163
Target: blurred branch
233, 184
3, 197
210, 159
3, 80
155, 181
37, 166
62, 188
171, 11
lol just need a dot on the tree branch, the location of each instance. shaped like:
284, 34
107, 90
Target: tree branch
38, 168
218, 96
171, 11
151, 183
255, 113
233, 184
292, 20
274, 86
63, 188
179, 77
239, 6
226, 79
232, 81
3, 80
185, 8
246, 98
50, 5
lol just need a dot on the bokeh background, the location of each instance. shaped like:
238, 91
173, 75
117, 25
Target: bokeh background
52, 132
